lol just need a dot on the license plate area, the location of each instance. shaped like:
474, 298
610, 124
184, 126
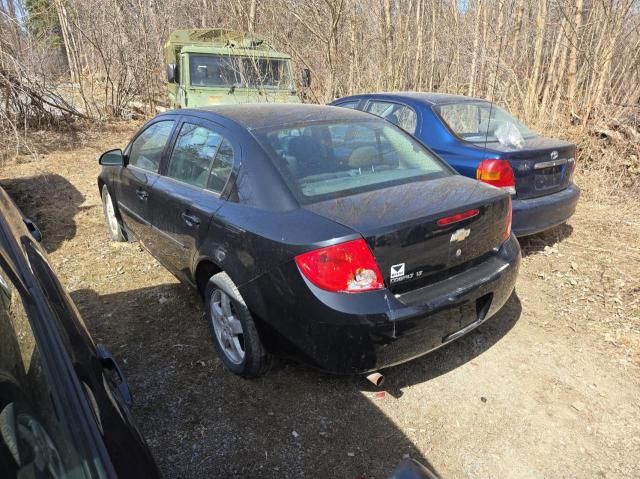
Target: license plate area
549, 174
469, 316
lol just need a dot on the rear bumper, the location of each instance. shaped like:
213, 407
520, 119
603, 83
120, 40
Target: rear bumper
358, 333
538, 214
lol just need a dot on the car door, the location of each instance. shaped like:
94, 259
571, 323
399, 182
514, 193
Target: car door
192, 188
49, 364
97, 372
45, 429
143, 158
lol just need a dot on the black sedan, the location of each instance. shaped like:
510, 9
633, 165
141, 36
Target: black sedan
64, 404
313, 232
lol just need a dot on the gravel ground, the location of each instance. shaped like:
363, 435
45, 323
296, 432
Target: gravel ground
547, 388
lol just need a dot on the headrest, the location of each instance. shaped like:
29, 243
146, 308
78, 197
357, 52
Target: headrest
362, 157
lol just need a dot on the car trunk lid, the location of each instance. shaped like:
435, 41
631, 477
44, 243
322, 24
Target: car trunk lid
400, 225
543, 166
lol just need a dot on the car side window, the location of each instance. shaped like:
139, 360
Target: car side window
400, 115
349, 104
146, 150
222, 166
34, 439
193, 155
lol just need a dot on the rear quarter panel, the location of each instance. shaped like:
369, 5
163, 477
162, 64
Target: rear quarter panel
463, 157
247, 242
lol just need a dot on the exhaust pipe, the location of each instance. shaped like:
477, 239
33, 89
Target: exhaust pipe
376, 379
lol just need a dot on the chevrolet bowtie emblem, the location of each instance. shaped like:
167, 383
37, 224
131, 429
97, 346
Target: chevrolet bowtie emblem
460, 235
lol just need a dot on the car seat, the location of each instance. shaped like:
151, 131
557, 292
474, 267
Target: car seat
310, 155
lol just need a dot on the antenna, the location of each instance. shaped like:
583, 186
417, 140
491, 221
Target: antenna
495, 83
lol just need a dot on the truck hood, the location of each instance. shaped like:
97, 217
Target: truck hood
197, 97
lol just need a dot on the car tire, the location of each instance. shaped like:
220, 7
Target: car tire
233, 329
114, 230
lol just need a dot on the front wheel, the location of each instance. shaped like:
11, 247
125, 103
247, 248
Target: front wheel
233, 330
114, 230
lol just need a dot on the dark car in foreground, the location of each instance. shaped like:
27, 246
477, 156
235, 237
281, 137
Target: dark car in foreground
318, 233
483, 141
64, 404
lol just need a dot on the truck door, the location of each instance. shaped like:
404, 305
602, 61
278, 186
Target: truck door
183, 85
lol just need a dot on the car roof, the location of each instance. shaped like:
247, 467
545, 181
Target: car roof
425, 97
266, 115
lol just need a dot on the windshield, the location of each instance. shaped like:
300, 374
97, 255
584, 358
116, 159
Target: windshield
471, 121
216, 71
333, 159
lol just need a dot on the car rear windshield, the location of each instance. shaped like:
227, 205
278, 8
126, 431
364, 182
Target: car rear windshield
228, 71
478, 122
326, 160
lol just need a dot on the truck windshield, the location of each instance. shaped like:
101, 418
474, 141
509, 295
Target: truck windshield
216, 71
322, 160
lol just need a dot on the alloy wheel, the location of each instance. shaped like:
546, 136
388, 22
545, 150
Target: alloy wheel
227, 326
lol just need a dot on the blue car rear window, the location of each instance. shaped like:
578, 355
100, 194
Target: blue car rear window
478, 122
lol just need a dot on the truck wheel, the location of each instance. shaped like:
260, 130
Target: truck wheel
111, 220
233, 330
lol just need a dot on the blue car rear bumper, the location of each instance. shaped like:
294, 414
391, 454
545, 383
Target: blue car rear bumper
538, 214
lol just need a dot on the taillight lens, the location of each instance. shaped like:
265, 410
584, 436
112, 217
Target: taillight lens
497, 173
449, 220
507, 230
572, 165
346, 267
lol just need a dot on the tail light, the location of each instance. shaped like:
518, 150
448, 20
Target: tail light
346, 267
458, 217
507, 229
572, 165
497, 173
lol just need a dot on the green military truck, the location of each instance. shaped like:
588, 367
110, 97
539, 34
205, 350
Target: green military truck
218, 66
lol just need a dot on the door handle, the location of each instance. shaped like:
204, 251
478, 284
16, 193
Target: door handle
190, 220
142, 194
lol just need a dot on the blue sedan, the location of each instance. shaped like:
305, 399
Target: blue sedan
483, 141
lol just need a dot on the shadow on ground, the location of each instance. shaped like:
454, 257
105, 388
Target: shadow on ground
202, 421
51, 201
454, 354
536, 243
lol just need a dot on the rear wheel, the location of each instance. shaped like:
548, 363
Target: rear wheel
111, 220
233, 330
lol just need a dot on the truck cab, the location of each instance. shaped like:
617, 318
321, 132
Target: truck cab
217, 66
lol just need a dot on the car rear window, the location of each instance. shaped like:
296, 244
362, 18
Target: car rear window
480, 121
326, 160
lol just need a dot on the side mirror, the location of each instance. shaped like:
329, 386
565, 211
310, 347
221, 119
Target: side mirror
172, 73
33, 229
112, 158
306, 78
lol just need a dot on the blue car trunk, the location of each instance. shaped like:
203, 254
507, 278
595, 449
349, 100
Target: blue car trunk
542, 167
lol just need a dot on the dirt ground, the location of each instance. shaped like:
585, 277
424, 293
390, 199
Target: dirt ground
550, 387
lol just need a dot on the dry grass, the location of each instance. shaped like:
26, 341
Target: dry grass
608, 168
